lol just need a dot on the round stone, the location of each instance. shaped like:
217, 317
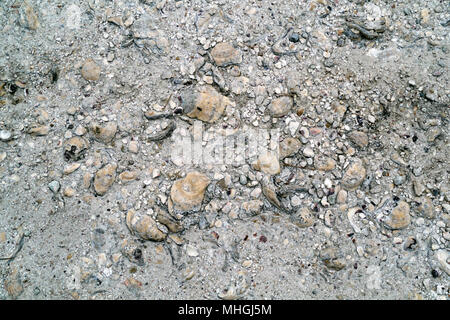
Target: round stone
90, 70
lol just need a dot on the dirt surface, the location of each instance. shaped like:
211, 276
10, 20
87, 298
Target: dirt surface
95, 95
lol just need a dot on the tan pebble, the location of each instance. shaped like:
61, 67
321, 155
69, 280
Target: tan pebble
104, 178
207, 104
268, 189
289, 147
116, 257
28, 17
80, 130
75, 295
128, 21
2, 236
69, 192
281, 106
133, 147
116, 20
341, 197
104, 133
233, 214
399, 217
225, 54
188, 274
87, 198
72, 110
133, 283
426, 208
175, 238
315, 131
191, 251
164, 218
247, 263
127, 176
268, 163
101, 260
325, 164
159, 249
359, 138
303, 218
144, 226
187, 194
350, 151
425, 15
252, 207
90, 70
39, 131
87, 178
218, 224
71, 168
13, 284
354, 176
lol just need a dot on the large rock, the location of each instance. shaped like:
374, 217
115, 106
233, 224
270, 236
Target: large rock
187, 194
207, 104
443, 257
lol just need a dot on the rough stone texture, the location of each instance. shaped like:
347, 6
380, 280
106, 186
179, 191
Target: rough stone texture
353, 176
225, 54
289, 147
90, 70
268, 163
281, 106
187, 194
104, 133
303, 218
357, 80
144, 226
104, 178
207, 105
399, 218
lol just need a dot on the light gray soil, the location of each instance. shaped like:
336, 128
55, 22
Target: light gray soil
369, 82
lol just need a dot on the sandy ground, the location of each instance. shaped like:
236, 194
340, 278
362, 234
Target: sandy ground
95, 95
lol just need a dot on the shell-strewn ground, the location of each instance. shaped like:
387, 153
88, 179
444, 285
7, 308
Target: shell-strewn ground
94, 95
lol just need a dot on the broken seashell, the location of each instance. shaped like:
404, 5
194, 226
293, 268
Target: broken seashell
75, 148
144, 226
187, 194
